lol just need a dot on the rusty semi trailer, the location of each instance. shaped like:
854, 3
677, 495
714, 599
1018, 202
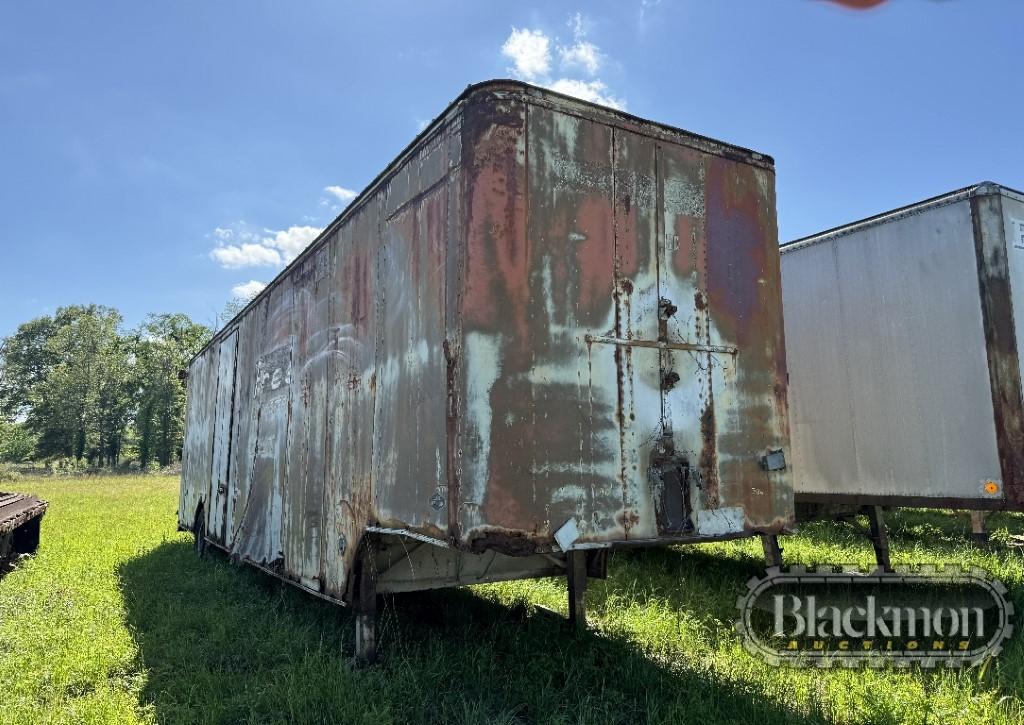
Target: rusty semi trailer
547, 328
903, 334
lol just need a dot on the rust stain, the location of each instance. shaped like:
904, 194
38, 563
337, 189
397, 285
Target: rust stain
1001, 341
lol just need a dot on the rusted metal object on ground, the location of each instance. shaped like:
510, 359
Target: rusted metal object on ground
20, 519
903, 334
546, 327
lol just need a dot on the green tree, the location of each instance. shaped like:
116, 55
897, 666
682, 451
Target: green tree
82, 404
25, 361
17, 444
164, 346
76, 383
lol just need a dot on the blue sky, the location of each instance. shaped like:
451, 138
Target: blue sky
153, 152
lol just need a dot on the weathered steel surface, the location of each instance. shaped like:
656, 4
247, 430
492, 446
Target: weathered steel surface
20, 518
543, 314
996, 249
905, 373
16, 509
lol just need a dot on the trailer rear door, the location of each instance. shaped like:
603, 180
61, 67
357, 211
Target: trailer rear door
220, 487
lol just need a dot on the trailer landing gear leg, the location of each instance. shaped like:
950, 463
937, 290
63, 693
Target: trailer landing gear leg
772, 550
979, 531
365, 605
576, 572
879, 537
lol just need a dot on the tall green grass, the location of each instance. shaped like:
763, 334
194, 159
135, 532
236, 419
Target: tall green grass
115, 620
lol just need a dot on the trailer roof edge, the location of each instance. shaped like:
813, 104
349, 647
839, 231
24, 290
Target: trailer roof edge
982, 188
537, 94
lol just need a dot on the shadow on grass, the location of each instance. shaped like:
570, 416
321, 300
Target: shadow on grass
221, 643
687, 578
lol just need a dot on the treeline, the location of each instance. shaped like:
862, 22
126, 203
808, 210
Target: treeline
78, 388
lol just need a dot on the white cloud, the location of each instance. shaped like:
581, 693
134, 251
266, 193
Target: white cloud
247, 290
582, 54
594, 91
290, 241
274, 249
341, 193
530, 50
233, 256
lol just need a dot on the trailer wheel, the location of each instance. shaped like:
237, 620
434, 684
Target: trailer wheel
199, 532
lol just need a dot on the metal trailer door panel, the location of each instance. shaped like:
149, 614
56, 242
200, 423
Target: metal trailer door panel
541, 432
220, 484
636, 368
746, 419
195, 463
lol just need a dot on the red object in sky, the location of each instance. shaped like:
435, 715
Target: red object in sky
859, 4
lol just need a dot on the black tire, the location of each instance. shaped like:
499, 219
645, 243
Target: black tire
199, 532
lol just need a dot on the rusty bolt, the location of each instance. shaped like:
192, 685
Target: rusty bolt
669, 380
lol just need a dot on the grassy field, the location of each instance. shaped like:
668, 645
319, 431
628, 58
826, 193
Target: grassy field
115, 620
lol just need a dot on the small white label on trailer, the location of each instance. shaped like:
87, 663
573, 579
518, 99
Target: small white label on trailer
566, 536
720, 521
1017, 233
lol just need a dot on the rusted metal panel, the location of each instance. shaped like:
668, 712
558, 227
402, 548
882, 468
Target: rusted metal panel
546, 281
195, 463
245, 418
224, 408
545, 317
20, 522
410, 444
994, 248
749, 387
354, 317
898, 327
303, 485
16, 509
258, 538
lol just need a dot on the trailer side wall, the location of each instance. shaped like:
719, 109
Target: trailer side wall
889, 377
